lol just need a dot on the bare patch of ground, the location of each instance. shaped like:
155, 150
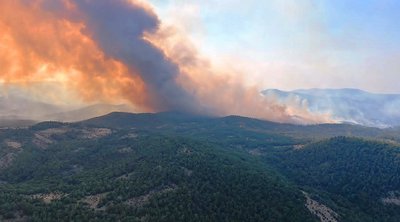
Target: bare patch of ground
94, 200
13, 144
298, 146
187, 171
42, 141
392, 198
125, 150
255, 152
144, 199
48, 197
125, 176
7, 160
54, 131
390, 141
186, 151
324, 213
95, 133
130, 136
43, 138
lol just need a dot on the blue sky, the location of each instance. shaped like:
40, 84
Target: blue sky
290, 44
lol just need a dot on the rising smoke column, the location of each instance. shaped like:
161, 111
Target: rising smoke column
223, 89
96, 39
118, 28
117, 49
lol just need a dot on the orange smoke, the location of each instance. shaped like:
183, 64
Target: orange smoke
37, 45
119, 57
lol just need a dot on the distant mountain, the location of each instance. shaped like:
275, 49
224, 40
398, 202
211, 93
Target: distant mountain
16, 111
5, 123
17, 107
86, 112
344, 105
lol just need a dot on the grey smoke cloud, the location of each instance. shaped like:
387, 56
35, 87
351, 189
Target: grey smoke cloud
118, 27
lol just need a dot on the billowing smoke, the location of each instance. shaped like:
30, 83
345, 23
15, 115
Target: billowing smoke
119, 50
118, 28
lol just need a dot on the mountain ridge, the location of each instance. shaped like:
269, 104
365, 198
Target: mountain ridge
343, 105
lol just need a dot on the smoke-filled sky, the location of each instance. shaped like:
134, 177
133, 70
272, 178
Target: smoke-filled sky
291, 44
209, 57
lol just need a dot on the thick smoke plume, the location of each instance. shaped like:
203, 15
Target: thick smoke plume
119, 50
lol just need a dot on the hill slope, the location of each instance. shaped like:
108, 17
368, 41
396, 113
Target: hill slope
353, 175
62, 171
179, 167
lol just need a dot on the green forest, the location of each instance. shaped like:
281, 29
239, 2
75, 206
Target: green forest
178, 167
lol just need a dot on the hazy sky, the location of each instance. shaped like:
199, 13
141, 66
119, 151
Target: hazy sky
211, 56
291, 44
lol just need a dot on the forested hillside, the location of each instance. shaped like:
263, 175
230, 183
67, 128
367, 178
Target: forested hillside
356, 176
179, 167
